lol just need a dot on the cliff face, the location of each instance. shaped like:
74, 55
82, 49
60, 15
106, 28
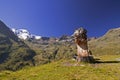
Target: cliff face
14, 54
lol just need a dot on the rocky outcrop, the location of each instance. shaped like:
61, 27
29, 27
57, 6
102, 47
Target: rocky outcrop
83, 54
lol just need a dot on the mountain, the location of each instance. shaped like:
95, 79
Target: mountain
107, 44
52, 49
25, 34
13, 51
106, 49
14, 54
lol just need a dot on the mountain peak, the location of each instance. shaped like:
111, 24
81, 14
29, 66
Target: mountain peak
25, 34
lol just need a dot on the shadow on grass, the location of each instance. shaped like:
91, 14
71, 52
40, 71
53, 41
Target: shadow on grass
98, 61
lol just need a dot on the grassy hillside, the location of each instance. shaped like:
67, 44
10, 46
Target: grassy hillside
60, 65
52, 51
14, 53
47, 53
107, 44
108, 69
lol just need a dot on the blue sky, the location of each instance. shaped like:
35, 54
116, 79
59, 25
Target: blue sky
58, 17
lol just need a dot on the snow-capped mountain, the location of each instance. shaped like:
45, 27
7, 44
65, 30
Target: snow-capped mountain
25, 34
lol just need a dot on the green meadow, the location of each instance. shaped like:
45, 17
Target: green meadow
108, 68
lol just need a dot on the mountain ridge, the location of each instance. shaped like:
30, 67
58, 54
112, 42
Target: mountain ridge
108, 43
25, 34
14, 53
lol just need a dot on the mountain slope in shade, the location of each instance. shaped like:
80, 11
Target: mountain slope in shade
107, 44
14, 54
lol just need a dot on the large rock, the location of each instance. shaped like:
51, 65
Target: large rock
83, 54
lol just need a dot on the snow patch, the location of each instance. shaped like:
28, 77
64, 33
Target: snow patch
25, 34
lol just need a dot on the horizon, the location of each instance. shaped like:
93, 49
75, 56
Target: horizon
56, 18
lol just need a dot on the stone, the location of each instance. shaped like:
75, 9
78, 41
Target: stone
83, 53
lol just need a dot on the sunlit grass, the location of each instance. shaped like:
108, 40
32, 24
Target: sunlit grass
68, 70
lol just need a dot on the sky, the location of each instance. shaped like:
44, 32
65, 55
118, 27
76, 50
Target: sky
54, 18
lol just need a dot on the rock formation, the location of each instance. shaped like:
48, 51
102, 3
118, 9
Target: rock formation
83, 54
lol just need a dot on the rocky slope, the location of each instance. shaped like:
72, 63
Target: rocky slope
14, 54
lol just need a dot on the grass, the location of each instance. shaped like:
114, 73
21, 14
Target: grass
106, 49
109, 69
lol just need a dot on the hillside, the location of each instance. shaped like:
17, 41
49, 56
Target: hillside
107, 44
50, 50
14, 54
61, 66
53, 49
68, 70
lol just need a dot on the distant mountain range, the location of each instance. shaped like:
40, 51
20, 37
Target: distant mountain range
25, 34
